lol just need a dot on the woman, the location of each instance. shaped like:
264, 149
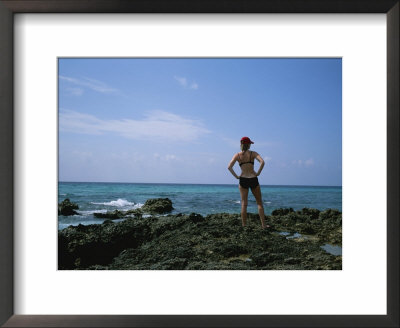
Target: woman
248, 178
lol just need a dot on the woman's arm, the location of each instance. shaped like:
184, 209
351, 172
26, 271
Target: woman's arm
230, 166
262, 163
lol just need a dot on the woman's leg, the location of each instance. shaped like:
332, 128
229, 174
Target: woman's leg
244, 193
257, 194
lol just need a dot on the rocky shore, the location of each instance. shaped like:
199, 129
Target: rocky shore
194, 242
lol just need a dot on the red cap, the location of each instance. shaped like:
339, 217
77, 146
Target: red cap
246, 140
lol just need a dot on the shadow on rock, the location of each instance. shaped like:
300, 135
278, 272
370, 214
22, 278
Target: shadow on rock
194, 242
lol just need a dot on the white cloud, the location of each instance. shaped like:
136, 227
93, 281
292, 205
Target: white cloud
170, 157
194, 86
303, 163
165, 158
309, 162
155, 126
92, 84
183, 81
267, 159
75, 91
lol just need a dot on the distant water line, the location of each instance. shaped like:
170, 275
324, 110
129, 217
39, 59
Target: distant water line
188, 198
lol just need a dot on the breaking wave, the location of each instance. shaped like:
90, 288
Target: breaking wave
119, 203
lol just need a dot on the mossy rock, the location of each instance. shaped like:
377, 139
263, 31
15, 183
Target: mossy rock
66, 207
157, 206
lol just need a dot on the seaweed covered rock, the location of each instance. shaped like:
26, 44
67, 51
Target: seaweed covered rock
116, 214
325, 225
97, 244
152, 206
194, 242
112, 215
310, 212
282, 211
137, 213
66, 207
157, 206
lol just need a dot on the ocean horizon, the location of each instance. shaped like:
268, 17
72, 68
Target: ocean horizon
203, 199
194, 183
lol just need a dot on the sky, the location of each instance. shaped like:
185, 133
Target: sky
180, 120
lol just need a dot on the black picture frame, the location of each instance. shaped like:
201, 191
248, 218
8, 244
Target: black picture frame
10, 7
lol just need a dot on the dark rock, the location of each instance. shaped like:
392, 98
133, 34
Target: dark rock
291, 260
108, 221
83, 246
111, 215
195, 217
282, 211
157, 206
137, 213
331, 214
152, 206
66, 207
310, 212
262, 258
327, 225
170, 264
230, 249
116, 214
194, 242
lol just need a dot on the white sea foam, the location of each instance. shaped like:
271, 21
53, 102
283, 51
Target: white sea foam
119, 203
85, 213
267, 202
127, 206
138, 205
237, 201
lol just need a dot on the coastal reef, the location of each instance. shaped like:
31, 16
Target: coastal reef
151, 206
196, 242
66, 207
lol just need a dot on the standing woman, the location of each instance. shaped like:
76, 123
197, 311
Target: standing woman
248, 178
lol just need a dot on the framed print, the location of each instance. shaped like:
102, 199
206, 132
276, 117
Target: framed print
53, 68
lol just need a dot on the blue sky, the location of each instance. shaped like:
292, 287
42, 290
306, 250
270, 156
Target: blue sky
181, 120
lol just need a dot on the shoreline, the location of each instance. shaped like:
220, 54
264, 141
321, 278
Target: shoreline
211, 242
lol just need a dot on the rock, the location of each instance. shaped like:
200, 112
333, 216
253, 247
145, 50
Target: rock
151, 206
111, 215
282, 211
291, 260
230, 249
137, 213
66, 207
194, 242
325, 225
195, 217
310, 212
116, 214
83, 246
157, 206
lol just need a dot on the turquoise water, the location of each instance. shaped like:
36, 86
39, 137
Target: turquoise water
188, 198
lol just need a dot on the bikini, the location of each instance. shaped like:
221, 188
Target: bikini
248, 182
251, 162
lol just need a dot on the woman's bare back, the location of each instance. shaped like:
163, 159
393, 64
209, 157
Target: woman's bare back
247, 160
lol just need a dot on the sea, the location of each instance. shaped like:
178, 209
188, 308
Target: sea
204, 199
